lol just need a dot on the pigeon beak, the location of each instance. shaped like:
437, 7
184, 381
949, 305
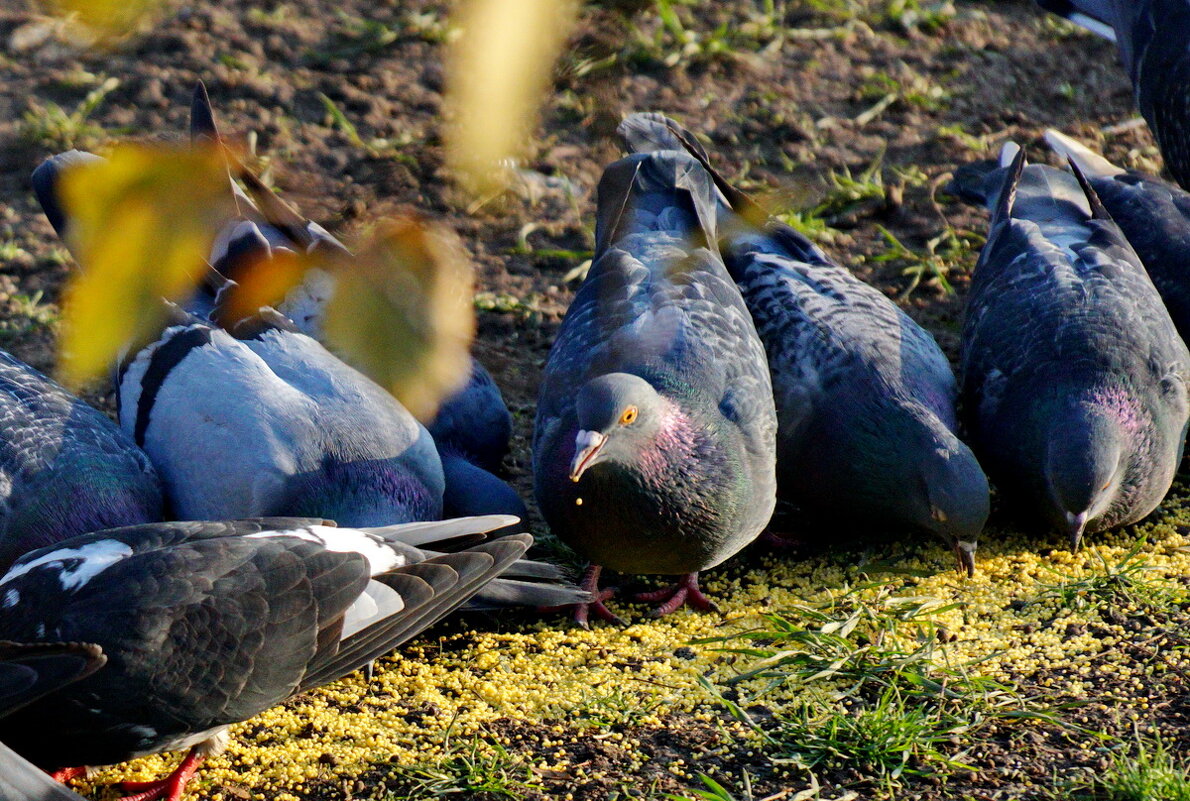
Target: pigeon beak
965, 553
586, 447
1075, 524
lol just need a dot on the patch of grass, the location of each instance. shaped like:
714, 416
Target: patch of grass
26, 313
375, 147
893, 737
1125, 581
891, 700
477, 769
846, 197
504, 302
51, 125
607, 708
949, 250
351, 38
1148, 771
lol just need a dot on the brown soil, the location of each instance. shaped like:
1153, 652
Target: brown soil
779, 117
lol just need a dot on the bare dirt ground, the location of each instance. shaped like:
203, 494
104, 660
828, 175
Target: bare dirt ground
847, 115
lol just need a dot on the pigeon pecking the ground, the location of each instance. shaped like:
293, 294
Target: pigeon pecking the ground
262, 421
474, 424
205, 624
1152, 37
65, 468
654, 442
29, 671
1154, 216
1074, 378
865, 398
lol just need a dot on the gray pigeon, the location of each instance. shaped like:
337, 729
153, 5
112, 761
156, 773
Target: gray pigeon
1153, 214
205, 624
65, 469
653, 449
1153, 37
473, 425
1074, 378
28, 672
263, 421
865, 397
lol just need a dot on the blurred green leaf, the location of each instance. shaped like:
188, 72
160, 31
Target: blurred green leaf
142, 223
402, 313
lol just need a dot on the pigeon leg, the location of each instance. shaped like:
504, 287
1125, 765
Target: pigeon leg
582, 612
171, 787
781, 542
590, 583
66, 774
686, 591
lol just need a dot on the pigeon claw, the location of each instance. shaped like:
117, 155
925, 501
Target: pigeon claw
171, 788
64, 775
582, 612
684, 593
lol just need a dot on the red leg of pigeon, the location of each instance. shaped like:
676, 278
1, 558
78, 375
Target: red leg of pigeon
582, 612
590, 583
781, 542
686, 591
171, 787
66, 774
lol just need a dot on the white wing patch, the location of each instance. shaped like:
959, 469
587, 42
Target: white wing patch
95, 557
381, 558
377, 602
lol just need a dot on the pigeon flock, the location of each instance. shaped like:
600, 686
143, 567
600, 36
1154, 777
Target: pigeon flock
263, 519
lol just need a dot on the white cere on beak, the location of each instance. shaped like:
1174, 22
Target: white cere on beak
586, 445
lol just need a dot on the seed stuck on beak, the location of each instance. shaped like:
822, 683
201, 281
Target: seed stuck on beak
1076, 523
587, 445
965, 553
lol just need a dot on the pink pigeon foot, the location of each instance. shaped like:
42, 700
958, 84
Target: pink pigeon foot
684, 592
171, 787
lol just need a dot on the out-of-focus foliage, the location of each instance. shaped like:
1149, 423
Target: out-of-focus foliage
107, 19
142, 223
402, 312
498, 71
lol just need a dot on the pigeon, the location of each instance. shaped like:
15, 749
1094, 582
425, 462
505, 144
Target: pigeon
654, 442
472, 428
1073, 376
1152, 36
206, 624
333, 444
475, 422
1154, 216
65, 468
263, 421
866, 418
29, 671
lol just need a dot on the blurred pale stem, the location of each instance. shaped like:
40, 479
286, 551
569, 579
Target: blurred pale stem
499, 70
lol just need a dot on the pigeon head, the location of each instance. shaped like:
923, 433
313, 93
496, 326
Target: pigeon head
952, 498
1084, 470
618, 414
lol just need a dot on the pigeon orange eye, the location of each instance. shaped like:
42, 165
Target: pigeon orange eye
628, 417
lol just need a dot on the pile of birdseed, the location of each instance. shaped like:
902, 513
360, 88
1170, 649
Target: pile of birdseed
1021, 612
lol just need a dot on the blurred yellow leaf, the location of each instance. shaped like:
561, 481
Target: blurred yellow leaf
402, 313
106, 18
142, 224
265, 282
498, 70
